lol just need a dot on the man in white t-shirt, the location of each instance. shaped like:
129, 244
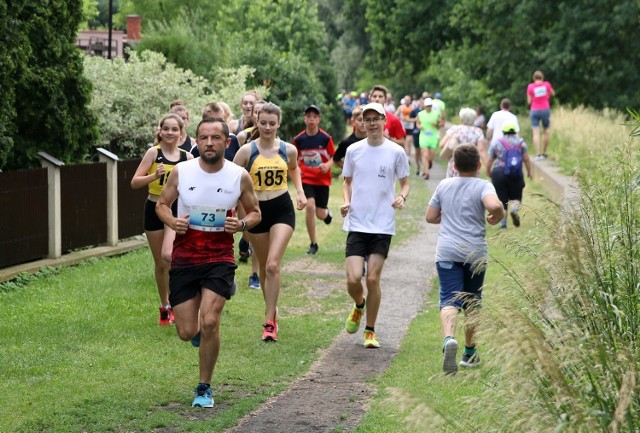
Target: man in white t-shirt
498, 119
371, 167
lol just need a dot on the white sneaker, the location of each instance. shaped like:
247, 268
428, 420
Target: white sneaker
449, 364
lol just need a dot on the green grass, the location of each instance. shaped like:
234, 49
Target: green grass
81, 349
414, 395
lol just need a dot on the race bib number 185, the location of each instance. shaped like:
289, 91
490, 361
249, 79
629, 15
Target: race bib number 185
207, 219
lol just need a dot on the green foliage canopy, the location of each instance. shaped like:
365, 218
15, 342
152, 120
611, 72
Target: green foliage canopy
130, 97
282, 40
44, 107
490, 48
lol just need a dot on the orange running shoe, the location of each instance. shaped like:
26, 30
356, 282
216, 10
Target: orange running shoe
269, 332
165, 316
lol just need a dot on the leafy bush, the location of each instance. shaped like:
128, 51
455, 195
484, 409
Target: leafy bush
130, 97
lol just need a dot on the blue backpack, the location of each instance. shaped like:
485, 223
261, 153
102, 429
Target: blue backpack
512, 159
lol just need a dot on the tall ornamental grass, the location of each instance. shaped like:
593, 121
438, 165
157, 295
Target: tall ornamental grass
566, 335
582, 138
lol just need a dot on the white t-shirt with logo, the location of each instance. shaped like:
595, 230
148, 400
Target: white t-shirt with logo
374, 170
497, 120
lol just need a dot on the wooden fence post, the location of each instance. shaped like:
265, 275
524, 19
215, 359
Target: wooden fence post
55, 212
112, 194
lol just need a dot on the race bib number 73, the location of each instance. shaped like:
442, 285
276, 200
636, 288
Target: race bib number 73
207, 219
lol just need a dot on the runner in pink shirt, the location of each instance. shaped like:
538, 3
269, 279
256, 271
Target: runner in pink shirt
538, 94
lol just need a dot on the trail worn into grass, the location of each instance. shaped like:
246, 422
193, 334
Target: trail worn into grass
334, 395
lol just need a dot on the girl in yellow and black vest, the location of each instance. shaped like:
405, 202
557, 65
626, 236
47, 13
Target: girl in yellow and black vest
270, 163
153, 172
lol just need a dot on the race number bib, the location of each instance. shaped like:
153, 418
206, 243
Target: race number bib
540, 91
312, 159
207, 219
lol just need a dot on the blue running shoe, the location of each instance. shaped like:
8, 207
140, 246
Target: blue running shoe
204, 396
195, 341
254, 281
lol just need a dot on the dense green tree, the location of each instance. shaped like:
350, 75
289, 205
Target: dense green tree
490, 48
50, 94
345, 38
282, 40
594, 60
404, 34
286, 47
13, 49
100, 20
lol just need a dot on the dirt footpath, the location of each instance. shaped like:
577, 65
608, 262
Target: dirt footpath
335, 393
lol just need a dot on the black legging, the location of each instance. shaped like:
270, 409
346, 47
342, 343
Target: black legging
507, 187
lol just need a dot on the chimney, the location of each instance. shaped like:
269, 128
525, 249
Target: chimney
134, 23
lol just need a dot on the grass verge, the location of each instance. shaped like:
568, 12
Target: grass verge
82, 350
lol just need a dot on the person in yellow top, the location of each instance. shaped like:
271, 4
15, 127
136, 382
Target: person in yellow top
153, 172
270, 162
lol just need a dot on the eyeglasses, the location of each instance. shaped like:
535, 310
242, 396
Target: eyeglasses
372, 119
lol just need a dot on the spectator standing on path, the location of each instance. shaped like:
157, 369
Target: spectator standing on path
509, 186
359, 133
538, 94
464, 134
428, 121
393, 129
153, 172
315, 158
498, 119
371, 167
269, 162
207, 190
459, 205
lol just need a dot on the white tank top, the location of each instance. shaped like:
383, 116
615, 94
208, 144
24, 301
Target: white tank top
207, 197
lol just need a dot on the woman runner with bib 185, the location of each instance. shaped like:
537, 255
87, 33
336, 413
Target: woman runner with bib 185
270, 161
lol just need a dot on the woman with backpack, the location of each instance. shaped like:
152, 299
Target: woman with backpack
507, 155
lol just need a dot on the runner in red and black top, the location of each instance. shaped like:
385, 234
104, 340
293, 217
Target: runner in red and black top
393, 129
315, 158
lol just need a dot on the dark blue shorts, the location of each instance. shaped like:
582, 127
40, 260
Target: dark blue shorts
538, 116
460, 285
